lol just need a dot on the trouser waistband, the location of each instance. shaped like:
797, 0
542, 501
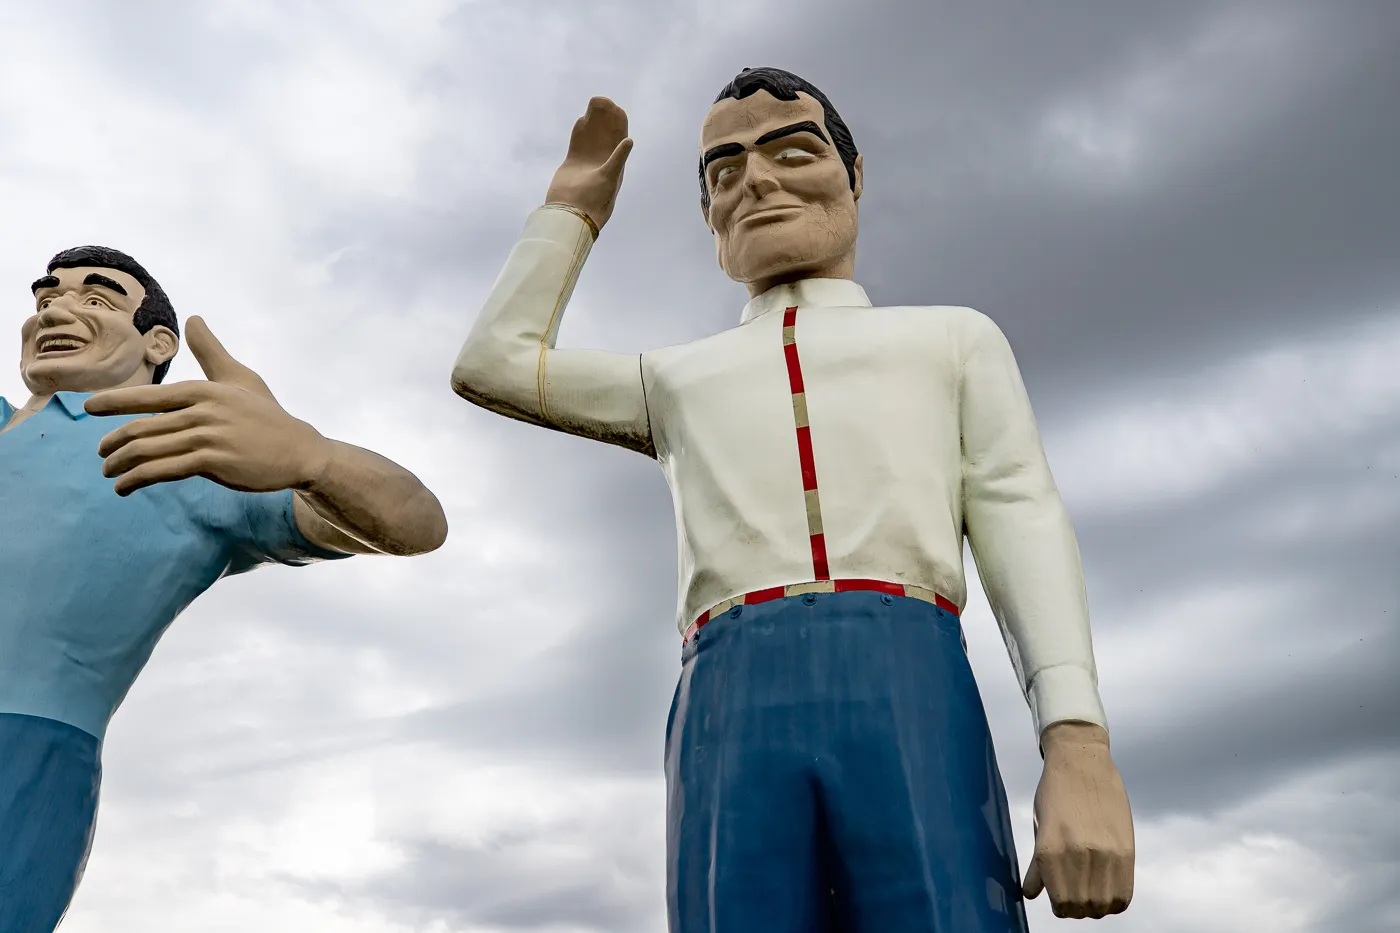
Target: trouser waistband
821, 586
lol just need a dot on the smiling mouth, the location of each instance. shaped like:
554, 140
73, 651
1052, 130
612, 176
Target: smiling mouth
59, 344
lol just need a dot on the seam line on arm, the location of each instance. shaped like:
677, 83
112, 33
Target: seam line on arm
576, 263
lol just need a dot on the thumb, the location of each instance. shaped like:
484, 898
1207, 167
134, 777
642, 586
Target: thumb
217, 363
1033, 884
612, 168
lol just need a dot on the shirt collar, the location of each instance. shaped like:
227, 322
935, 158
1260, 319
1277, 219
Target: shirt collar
807, 293
70, 402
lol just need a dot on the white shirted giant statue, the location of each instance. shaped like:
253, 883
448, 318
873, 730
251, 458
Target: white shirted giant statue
828, 761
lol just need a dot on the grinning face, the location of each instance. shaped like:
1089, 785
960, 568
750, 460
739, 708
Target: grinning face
782, 206
82, 338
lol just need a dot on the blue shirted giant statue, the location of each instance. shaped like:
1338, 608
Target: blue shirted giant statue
211, 478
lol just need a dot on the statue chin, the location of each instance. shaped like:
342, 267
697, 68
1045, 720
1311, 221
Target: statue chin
772, 256
787, 251
46, 376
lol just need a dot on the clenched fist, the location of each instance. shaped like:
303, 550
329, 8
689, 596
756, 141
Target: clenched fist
591, 174
1084, 849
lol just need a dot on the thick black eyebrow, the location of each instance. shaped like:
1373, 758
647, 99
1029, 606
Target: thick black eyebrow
48, 281
806, 126
721, 152
97, 278
726, 150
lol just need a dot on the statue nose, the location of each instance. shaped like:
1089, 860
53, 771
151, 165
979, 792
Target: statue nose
56, 312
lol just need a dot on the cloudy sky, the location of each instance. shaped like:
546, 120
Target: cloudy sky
1185, 216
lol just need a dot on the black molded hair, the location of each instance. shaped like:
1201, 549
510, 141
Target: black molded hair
155, 308
784, 85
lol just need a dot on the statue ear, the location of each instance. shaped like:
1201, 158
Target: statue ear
859, 168
161, 345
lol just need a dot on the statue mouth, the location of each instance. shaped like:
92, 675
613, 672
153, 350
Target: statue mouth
771, 214
59, 344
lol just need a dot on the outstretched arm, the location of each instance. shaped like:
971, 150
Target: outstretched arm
231, 430
362, 503
509, 363
1029, 562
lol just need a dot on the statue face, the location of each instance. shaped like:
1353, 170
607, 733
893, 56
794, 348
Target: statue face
781, 204
82, 338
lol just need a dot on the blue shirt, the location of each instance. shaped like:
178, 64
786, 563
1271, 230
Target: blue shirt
90, 580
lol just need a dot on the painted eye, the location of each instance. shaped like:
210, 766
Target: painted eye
45, 303
719, 176
97, 302
792, 151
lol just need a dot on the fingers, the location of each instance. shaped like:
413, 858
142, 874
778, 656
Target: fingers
129, 457
218, 364
149, 427
1118, 891
1066, 880
146, 400
607, 115
163, 470
597, 132
1082, 883
1103, 890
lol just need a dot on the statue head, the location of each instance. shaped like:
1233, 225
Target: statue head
779, 180
100, 322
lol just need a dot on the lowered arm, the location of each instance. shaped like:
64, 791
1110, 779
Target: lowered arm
1021, 536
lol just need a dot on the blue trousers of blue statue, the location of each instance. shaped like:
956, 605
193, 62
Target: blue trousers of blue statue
829, 770
49, 778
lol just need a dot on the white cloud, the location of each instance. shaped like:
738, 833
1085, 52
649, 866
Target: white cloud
1283, 861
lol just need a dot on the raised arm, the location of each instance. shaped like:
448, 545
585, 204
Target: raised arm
1029, 562
509, 363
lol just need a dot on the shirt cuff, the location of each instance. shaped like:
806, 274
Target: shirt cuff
560, 224
581, 215
1065, 693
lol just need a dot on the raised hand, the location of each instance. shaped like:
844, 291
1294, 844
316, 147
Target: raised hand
591, 174
1084, 849
229, 429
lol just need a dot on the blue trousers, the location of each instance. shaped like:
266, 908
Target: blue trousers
829, 770
49, 777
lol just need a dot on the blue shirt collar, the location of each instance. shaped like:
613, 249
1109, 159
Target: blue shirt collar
70, 402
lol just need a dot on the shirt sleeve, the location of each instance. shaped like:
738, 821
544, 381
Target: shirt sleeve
264, 531
509, 363
1021, 536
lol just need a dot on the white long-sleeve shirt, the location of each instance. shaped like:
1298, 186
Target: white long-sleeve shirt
917, 427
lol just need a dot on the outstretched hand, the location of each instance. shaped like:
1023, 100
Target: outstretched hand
229, 429
591, 174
